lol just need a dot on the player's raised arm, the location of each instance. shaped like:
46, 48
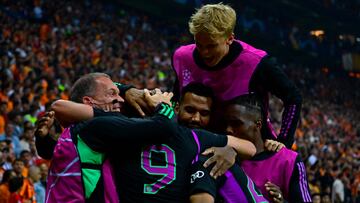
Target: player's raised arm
44, 142
67, 112
244, 148
113, 131
105, 131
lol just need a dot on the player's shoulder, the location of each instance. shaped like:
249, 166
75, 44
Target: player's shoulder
185, 49
201, 131
180, 129
250, 50
288, 154
185, 133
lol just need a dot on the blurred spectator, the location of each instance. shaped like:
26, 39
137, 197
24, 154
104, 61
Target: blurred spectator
316, 198
338, 189
15, 184
19, 168
43, 173
9, 135
16, 119
7, 155
27, 140
3, 111
4, 186
26, 191
34, 175
325, 198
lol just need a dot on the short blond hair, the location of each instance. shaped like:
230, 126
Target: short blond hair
214, 19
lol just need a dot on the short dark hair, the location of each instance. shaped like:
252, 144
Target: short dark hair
85, 86
23, 152
15, 183
251, 101
198, 89
18, 160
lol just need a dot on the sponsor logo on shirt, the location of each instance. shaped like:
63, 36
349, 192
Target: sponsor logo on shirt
197, 174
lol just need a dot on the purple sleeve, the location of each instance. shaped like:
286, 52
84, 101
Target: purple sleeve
269, 78
299, 187
206, 139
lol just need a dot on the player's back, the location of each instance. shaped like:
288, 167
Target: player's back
160, 172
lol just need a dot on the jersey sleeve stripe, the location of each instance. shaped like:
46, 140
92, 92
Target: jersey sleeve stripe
198, 146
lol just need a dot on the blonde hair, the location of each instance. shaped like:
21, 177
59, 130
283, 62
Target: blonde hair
214, 19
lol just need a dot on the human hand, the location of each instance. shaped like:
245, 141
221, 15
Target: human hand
273, 146
157, 97
223, 157
274, 192
135, 98
44, 124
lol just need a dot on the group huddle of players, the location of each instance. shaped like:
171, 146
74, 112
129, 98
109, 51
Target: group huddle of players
222, 86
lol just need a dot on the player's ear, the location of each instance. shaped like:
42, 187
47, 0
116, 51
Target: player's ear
177, 108
87, 100
230, 39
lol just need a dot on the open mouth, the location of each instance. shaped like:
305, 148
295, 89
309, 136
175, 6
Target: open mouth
209, 60
117, 107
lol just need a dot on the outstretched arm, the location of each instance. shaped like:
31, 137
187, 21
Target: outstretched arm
211, 143
268, 77
224, 157
244, 148
103, 133
68, 112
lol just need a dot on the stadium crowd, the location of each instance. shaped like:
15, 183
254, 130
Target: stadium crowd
46, 45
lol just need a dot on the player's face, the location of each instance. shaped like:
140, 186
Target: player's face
212, 50
107, 95
240, 122
194, 110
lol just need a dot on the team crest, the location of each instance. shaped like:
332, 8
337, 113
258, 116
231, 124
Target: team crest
186, 75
